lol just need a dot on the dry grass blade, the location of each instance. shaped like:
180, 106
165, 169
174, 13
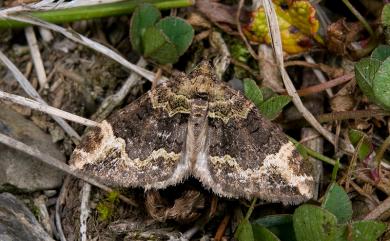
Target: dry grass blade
88, 43
25, 84
46, 108
379, 210
36, 56
277, 45
8, 141
50, 5
84, 210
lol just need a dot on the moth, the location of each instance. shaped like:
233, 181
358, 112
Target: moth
197, 126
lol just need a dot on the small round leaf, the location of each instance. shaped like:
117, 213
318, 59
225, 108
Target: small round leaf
365, 71
158, 47
179, 32
314, 223
381, 84
144, 16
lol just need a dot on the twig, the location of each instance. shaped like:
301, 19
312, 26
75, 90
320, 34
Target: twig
324, 86
90, 44
25, 84
57, 164
59, 202
362, 192
379, 210
352, 163
36, 56
238, 22
355, 114
84, 210
46, 108
222, 227
277, 44
319, 74
383, 186
69, 13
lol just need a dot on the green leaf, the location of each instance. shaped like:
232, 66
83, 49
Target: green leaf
144, 16
365, 148
158, 47
280, 225
261, 233
365, 71
337, 202
252, 92
272, 107
367, 230
386, 15
244, 231
178, 31
381, 84
381, 53
314, 223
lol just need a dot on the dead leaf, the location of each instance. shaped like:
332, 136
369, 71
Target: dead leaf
297, 22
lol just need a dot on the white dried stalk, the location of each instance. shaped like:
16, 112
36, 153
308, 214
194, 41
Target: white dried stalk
277, 45
53, 5
36, 56
88, 43
46, 109
84, 210
319, 74
25, 84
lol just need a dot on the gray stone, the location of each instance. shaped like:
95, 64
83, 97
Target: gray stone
19, 170
17, 223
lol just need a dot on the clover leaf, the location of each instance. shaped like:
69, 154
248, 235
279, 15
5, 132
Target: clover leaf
162, 40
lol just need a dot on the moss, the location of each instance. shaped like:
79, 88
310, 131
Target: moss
107, 206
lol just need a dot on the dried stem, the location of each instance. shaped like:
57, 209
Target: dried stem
355, 114
8, 141
46, 108
239, 28
78, 38
379, 210
29, 89
324, 86
277, 44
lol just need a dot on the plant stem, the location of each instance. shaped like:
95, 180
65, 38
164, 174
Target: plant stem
315, 154
251, 208
358, 16
94, 11
381, 151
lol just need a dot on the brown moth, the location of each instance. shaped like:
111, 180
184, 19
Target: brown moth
196, 126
